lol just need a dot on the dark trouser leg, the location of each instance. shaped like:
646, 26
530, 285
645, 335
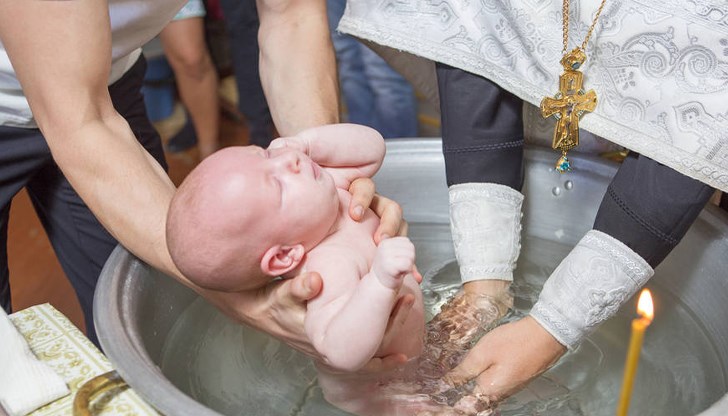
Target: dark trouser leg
80, 242
649, 207
22, 153
4, 271
241, 20
482, 129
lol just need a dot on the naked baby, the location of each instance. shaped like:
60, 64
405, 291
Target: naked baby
247, 215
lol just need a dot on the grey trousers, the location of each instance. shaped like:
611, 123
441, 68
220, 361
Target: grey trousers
78, 239
647, 206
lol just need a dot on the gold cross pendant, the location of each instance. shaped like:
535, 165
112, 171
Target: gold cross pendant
568, 106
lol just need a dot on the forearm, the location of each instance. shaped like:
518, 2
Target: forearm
297, 64
649, 207
346, 145
348, 331
126, 189
646, 211
61, 52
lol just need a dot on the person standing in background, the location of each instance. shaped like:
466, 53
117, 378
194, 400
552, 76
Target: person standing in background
242, 23
375, 95
185, 47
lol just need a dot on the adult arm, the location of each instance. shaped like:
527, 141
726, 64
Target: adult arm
645, 213
298, 73
297, 64
61, 54
350, 150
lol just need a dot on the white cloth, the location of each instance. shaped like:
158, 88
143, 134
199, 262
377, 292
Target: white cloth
659, 67
485, 220
597, 277
133, 23
26, 383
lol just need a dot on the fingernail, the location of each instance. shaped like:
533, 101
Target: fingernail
358, 211
384, 236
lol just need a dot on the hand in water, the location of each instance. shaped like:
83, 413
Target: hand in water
507, 358
477, 307
419, 389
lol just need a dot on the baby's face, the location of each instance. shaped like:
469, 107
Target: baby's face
292, 191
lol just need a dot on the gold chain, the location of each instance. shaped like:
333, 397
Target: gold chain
565, 28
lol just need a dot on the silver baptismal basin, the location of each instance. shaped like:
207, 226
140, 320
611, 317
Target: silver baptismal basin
184, 358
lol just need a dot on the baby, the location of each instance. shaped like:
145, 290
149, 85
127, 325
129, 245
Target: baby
247, 215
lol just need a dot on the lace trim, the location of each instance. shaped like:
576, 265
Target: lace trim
635, 266
489, 191
589, 286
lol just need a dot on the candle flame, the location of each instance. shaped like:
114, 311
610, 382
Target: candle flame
644, 305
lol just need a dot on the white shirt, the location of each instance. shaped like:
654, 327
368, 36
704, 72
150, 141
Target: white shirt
133, 23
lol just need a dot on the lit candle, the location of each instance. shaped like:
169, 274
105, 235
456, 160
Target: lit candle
646, 312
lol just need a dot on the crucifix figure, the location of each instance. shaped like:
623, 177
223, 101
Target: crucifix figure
568, 106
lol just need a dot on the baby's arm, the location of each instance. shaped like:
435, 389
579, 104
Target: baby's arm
346, 323
354, 151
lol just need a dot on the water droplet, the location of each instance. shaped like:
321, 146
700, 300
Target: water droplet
568, 185
556, 191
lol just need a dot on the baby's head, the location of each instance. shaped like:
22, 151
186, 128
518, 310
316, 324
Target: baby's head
246, 214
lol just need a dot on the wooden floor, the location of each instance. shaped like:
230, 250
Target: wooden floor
35, 274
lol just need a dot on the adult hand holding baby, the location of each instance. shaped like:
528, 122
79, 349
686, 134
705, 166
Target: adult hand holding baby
507, 358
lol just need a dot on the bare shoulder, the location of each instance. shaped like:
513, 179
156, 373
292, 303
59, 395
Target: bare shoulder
335, 259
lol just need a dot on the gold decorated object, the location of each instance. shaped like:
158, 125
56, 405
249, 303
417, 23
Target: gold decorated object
568, 106
58, 343
96, 386
571, 102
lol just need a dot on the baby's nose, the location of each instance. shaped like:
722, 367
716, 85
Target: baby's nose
290, 160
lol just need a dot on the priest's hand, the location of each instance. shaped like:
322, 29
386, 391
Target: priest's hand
507, 358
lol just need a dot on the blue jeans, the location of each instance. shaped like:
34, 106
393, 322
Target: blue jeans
241, 20
375, 95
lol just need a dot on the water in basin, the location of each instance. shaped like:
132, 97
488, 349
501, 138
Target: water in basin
239, 371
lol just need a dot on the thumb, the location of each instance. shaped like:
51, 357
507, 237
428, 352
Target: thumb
462, 374
305, 286
475, 362
278, 143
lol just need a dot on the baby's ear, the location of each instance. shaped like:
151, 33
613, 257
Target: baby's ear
279, 260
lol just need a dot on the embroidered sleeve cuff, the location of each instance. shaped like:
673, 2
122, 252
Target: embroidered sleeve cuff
589, 286
485, 219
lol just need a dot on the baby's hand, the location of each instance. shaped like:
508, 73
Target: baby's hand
292, 142
395, 259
